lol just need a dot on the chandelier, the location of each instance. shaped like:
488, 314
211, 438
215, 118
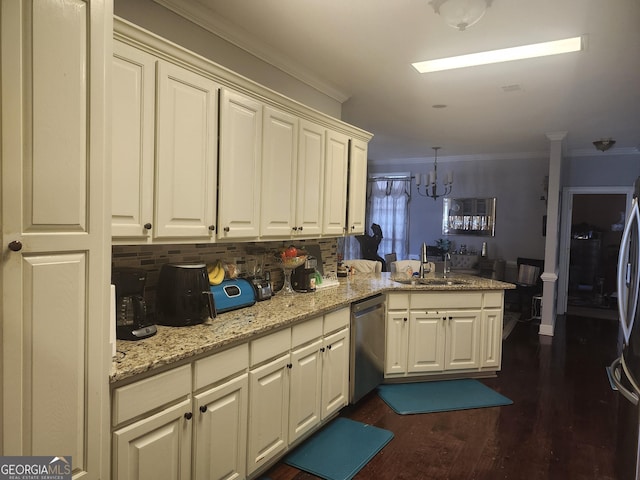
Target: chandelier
430, 181
460, 14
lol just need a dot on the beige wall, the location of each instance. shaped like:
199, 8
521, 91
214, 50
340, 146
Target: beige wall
161, 21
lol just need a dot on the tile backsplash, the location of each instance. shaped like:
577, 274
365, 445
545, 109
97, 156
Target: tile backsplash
151, 258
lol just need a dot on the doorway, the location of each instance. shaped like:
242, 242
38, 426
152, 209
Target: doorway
590, 240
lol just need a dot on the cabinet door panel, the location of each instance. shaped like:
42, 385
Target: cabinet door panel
186, 153
357, 186
132, 133
426, 342
221, 431
157, 447
304, 397
279, 161
268, 412
491, 338
335, 372
240, 158
397, 336
335, 191
55, 61
310, 193
463, 339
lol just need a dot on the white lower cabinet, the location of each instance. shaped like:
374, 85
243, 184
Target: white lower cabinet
220, 410
268, 411
441, 333
301, 384
227, 415
158, 443
335, 371
157, 447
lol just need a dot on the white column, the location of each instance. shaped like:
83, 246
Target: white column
552, 241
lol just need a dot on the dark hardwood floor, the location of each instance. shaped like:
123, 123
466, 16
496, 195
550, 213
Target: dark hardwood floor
560, 426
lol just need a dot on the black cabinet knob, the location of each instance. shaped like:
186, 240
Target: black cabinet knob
328, 347
212, 228
289, 365
226, 229
203, 408
405, 319
295, 229
188, 415
322, 349
147, 226
15, 246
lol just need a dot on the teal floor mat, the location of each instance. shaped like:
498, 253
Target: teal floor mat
441, 396
339, 450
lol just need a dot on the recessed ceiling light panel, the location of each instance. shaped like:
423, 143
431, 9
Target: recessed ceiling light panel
544, 49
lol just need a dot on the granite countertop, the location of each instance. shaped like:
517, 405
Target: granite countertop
173, 344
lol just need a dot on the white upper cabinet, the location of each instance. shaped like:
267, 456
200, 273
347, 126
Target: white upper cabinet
335, 183
240, 166
164, 128
357, 186
133, 136
186, 154
279, 166
310, 191
202, 154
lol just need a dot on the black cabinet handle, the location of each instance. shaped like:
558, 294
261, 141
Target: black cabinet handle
300, 228
203, 408
15, 246
147, 226
289, 365
226, 229
328, 347
295, 229
405, 319
322, 349
188, 415
212, 228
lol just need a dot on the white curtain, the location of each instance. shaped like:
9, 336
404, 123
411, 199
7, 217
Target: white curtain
388, 206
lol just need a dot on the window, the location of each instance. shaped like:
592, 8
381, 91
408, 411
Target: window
388, 206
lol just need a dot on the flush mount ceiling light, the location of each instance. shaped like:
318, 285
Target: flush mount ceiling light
460, 14
604, 144
544, 49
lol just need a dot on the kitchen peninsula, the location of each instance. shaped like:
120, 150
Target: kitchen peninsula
174, 344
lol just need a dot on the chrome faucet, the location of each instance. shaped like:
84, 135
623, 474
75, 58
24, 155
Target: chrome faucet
447, 265
424, 262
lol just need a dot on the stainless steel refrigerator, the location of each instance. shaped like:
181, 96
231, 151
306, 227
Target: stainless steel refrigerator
625, 370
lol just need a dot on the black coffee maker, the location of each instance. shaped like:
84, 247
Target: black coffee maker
132, 319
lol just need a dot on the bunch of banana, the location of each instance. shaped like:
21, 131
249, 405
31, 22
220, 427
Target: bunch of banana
216, 273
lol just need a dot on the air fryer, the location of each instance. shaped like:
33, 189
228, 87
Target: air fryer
183, 297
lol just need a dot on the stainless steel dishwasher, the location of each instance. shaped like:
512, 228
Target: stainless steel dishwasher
367, 346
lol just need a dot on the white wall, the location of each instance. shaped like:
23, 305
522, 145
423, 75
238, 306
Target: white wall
602, 170
517, 185
161, 21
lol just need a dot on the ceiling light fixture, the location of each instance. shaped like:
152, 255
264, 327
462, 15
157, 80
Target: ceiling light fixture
429, 181
604, 144
460, 14
544, 49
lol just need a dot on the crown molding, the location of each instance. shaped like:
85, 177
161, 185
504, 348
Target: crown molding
207, 19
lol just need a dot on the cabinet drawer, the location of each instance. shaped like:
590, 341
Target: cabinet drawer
446, 300
305, 332
214, 368
493, 299
270, 346
153, 392
336, 320
398, 301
